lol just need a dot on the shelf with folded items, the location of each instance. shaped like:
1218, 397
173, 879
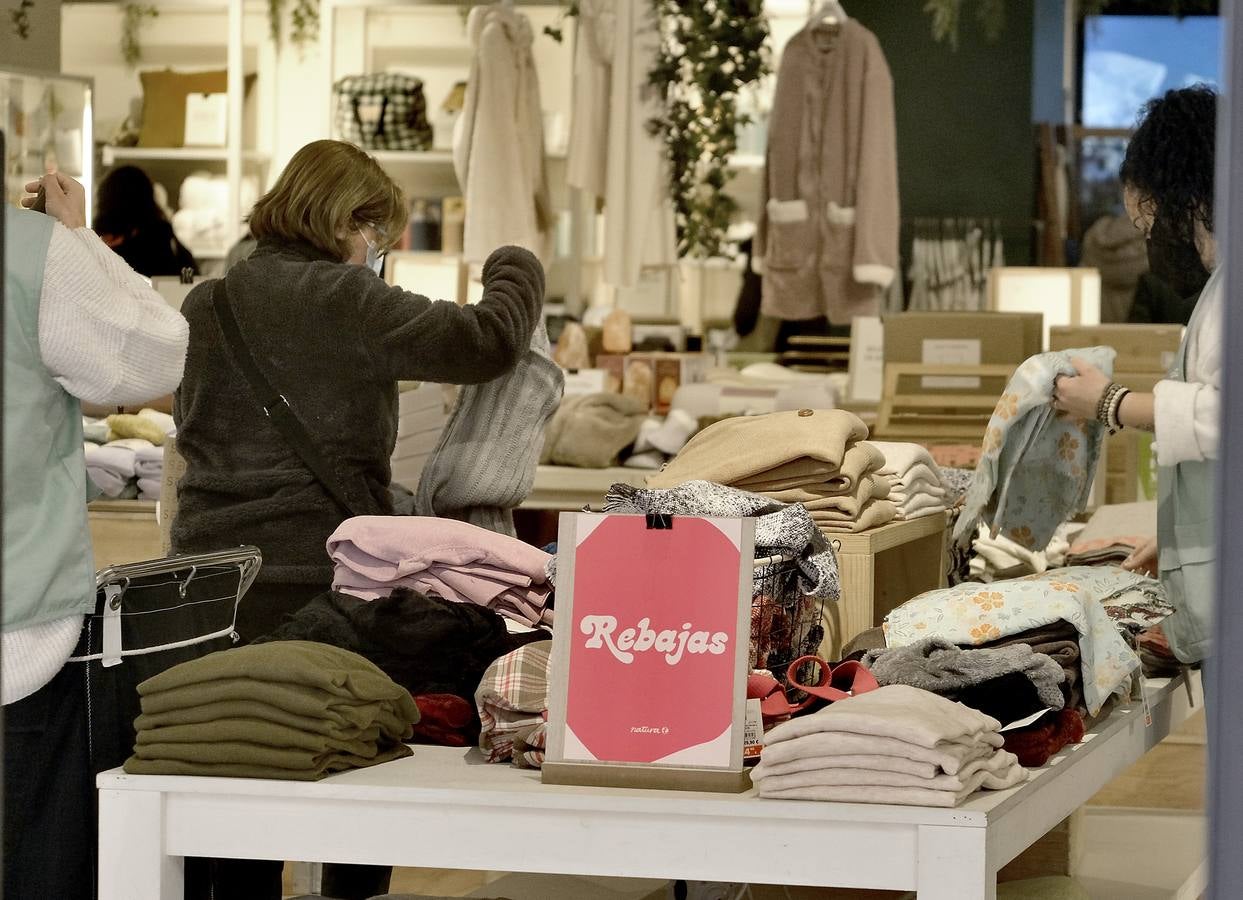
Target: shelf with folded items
113, 155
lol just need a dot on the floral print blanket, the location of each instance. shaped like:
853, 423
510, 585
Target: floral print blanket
1036, 464
974, 614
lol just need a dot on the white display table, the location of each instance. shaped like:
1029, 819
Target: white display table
446, 808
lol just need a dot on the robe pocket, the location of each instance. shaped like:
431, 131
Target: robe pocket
837, 255
789, 238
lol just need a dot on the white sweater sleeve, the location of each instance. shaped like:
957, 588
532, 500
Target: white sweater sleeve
1187, 414
104, 334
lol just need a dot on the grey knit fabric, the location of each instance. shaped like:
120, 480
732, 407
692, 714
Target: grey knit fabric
779, 529
939, 666
484, 466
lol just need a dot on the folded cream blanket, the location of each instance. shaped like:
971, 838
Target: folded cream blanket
896, 711
739, 448
901, 458
996, 768
900, 796
947, 756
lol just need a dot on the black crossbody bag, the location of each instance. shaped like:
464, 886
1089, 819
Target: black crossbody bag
273, 403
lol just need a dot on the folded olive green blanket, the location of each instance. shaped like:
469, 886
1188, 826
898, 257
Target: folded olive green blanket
137, 766
289, 709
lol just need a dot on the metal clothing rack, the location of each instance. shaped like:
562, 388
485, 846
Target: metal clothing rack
167, 604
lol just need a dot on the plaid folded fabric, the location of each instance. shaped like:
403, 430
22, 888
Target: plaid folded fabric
513, 704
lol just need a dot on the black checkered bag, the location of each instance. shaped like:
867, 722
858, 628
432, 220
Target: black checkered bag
382, 112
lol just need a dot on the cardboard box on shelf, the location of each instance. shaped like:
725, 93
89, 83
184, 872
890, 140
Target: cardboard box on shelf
962, 338
1145, 352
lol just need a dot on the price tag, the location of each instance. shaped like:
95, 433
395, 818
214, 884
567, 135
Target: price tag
112, 625
1143, 693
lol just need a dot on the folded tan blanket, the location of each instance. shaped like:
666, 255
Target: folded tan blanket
897, 711
873, 515
822, 496
858, 460
736, 449
138, 766
996, 769
946, 756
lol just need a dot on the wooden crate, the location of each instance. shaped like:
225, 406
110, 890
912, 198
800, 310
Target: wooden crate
124, 531
911, 410
880, 570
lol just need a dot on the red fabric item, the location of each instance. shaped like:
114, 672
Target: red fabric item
1036, 745
446, 720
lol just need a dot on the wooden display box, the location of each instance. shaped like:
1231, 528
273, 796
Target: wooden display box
880, 570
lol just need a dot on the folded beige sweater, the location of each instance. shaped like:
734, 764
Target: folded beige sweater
947, 756
872, 763
996, 768
739, 448
875, 514
897, 711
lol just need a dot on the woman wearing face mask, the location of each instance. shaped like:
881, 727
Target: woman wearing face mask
1168, 178
333, 339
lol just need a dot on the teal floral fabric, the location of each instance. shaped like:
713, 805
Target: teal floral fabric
1036, 465
974, 614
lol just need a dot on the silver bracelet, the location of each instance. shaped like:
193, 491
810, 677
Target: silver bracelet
1115, 410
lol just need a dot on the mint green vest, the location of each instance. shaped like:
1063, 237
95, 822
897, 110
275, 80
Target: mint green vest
48, 569
1186, 538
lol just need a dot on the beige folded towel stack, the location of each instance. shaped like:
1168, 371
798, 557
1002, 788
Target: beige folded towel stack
897, 745
918, 489
817, 458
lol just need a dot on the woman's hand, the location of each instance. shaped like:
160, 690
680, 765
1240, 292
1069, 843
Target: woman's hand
1080, 394
66, 199
1143, 559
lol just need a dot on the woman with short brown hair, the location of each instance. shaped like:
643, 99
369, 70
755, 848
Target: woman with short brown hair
333, 340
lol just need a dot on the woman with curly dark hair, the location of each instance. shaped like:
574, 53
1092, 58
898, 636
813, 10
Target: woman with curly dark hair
1168, 178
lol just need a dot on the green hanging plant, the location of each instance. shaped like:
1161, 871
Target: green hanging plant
709, 52
303, 20
20, 17
134, 17
946, 15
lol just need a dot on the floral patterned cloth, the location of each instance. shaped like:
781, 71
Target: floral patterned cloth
975, 614
1037, 465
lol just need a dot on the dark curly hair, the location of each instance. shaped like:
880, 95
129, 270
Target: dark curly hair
1170, 161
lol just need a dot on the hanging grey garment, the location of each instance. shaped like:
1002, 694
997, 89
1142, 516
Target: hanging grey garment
779, 529
1036, 466
484, 466
939, 666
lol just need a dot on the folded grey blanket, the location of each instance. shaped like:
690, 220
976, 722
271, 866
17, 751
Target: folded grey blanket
939, 666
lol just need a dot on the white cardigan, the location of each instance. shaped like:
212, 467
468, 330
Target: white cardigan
1187, 413
106, 337
498, 143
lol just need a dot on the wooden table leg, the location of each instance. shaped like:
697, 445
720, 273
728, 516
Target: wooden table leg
953, 864
132, 862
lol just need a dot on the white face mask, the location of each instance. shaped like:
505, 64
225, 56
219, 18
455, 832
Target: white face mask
375, 259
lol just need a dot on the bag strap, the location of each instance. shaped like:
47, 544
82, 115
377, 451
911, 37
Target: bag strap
273, 403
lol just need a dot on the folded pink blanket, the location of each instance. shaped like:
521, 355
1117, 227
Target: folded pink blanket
373, 555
